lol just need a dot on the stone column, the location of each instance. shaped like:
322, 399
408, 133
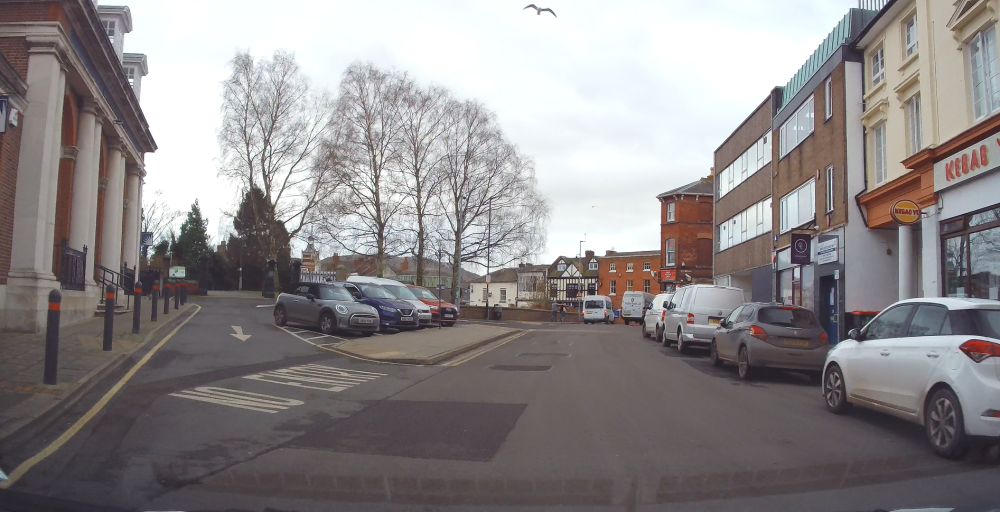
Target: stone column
931, 251
84, 209
95, 186
114, 196
133, 211
907, 260
38, 167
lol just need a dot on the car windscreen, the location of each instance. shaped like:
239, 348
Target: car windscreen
375, 291
719, 298
593, 304
400, 291
788, 317
334, 293
423, 293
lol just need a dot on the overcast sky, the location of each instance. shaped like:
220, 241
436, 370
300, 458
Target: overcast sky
615, 104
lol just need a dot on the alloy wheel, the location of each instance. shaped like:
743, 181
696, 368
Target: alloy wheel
943, 422
326, 323
833, 389
744, 363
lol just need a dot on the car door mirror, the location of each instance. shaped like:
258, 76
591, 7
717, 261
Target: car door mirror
311, 297
854, 334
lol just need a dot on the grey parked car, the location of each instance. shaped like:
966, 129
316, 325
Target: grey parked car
327, 306
761, 335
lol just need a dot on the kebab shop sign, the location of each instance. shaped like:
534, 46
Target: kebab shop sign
974, 160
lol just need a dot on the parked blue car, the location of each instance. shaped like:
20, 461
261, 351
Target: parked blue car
392, 312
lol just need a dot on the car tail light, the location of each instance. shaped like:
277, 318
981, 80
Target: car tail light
824, 338
758, 332
663, 314
978, 350
690, 318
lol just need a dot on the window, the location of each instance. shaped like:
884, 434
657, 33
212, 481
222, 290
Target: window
613, 267
745, 165
592, 265
645, 265
798, 208
668, 247
628, 285
910, 35
503, 295
130, 74
572, 289
734, 314
828, 98
746, 225
984, 71
797, 127
614, 287
878, 154
109, 27
645, 285
929, 321
745, 314
829, 189
561, 266
878, 66
628, 267
971, 261
890, 324
485, 298
553, 289
670, 212
913, 123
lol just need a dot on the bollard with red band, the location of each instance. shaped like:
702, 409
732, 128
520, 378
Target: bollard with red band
138, 302
52, 339
109, 316
155, 295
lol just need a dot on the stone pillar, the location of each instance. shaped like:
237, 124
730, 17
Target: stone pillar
133, 212
907, 260
85, 184
95, 186
114, 196
931, 253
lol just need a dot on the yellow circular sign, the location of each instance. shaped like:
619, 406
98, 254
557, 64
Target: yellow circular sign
905, 212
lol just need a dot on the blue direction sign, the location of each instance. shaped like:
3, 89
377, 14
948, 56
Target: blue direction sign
4, 109
146, 239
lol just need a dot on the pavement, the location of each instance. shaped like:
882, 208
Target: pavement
563, 417
426, 346
26, 402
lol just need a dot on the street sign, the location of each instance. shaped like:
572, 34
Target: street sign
178, 272
800, 248
440, 287
827, 251
146, 239
905, 212
488, 278
4, 109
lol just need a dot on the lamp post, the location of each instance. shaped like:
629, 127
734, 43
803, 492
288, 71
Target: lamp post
579, 310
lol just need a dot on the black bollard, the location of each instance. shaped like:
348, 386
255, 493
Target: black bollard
138, 306
155, 295
52, 339
166, 298
184, 293
109, 316
177, 295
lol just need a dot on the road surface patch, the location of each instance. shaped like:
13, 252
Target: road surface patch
542, 354
239, 399
520, 368
316, 376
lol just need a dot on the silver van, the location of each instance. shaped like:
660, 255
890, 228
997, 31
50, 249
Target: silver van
633, 304
652, 321
695, 312
598, 308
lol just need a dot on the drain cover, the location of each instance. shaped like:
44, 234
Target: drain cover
520, 368
539, 354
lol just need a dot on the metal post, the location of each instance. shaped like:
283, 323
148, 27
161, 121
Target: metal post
166, 298
177, 295
109, 316
52, 339
489, 225
156, 297
138, 302
184, 292
439, 290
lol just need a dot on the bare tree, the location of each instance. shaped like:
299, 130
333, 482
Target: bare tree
158, 217
273, 128
367, 130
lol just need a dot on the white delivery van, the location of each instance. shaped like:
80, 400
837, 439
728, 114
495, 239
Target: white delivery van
598, 308
633, 304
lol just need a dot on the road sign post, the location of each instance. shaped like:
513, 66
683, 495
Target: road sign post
109, 316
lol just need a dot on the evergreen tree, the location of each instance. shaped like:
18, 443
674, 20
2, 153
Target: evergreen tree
248, 243
193, 239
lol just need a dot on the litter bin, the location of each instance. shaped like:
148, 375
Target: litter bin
618, 314
497, 312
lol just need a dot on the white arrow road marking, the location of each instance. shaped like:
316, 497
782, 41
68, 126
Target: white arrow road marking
239, 333
241, 399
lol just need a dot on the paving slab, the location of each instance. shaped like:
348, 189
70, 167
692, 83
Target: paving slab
426, 346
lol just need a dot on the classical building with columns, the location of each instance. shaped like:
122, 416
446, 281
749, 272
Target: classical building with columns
71, 157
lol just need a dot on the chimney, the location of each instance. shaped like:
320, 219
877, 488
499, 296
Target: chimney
711, 172
335, 260
609, 253
405, 265
520, 265
590, 254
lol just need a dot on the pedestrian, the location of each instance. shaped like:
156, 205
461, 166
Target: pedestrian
562, 310
555, 309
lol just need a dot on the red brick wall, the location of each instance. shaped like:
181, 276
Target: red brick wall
692, 222
15, 50
621, 276
10, 147
14, 12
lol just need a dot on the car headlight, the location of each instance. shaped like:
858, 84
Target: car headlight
387, 308
342, 309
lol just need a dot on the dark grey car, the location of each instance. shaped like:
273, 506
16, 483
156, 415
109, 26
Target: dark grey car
330, 307
761, 335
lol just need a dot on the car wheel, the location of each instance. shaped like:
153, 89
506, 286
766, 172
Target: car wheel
681, 347
625, 320
659, 336
645, 334
834, 391
280, 319
327, 322
713, 355
945, 425
743, 363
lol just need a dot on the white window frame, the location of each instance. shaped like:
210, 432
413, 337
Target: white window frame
670, 212
828, 98
628, 285
645, 265
561, 267
670, 249
613, 287
747, 164
914, 124
592, 265
798, 127
503, 295
111, 29
878, 65
829, 189
983, 73
879, 161
612, 267
628, 267
787, 223
910, 35
485, 298
645, 285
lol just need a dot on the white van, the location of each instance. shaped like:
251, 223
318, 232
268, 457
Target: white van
598, 308
695, 312
633, 303
400, 291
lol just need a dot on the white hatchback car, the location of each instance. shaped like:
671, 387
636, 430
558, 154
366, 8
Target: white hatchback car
932, 361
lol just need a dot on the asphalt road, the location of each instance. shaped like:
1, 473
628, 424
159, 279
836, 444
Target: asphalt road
590, 417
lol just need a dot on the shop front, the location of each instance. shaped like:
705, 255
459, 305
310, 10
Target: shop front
808, 274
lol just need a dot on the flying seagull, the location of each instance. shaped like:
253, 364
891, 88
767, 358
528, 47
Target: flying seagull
540, 10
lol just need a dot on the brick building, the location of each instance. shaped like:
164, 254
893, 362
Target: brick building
569, 279
72, 160
686, 235
620, 272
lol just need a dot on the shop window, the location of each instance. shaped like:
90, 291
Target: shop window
971, 255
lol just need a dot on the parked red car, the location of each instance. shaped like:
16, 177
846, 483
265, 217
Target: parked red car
448, 313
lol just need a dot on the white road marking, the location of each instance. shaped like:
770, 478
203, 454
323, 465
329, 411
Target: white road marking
239, 399
239, 333
318, 337
309, 340
316, 376
264, 305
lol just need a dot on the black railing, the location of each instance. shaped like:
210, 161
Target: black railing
72, 265
105, 276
